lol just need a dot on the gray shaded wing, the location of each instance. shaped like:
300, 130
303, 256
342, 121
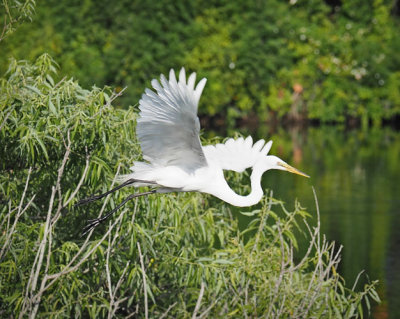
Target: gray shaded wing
168, 126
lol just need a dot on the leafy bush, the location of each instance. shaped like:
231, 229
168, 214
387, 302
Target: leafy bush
171, 255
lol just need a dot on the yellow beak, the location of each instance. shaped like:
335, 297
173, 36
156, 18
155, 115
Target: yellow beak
292, 169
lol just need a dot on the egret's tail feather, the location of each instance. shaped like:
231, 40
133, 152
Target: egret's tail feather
142, 173
125, 179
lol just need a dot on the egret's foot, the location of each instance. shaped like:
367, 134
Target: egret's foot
92, 223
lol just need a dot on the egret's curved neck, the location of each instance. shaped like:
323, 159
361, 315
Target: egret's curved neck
228, 195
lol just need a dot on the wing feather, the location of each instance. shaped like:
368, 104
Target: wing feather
236, 155
168, 126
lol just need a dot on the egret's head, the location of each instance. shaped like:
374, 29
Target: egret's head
274, 162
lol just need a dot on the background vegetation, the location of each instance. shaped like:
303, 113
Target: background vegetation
330, 61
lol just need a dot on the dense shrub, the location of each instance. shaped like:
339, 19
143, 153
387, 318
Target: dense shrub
172, 255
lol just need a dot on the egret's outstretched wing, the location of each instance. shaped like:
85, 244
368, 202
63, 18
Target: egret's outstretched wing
237, 155
168, 126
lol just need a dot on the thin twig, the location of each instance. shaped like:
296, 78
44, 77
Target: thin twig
114, 304
205, 312
198, 303
59, 82
133, 313
59, 176
281, 272
21, 210
108, 104
263, 221
36, 299
5, 27
146, 310
357, 279
5, 119
169, 308
108, 276
119, 283
80, 181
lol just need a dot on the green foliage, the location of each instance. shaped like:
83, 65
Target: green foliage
177, 255
13, 13
38, 113
293, 59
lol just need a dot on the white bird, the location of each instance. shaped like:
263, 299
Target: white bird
175, 161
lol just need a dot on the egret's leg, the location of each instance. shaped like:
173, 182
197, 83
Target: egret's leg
93, 198
92, 223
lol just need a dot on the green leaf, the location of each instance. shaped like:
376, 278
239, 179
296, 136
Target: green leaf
252, 213
43, 147
34, 89
52, 107
374, 295
223, 262
50, 79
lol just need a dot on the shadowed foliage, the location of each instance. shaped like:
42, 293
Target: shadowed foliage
330, 61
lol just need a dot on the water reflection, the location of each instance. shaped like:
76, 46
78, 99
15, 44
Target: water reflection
356, 176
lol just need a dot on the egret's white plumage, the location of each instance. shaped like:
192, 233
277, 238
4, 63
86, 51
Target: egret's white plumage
168, 132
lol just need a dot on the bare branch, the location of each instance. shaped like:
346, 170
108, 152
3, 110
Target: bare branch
198, 303
20, 212
33, 297
146, 310
108, 104
60, 174
281, 272
79, 183
108, 276
35, 300
169, 308
68, 268
207, 310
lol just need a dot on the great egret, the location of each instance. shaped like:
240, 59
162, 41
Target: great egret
168, 132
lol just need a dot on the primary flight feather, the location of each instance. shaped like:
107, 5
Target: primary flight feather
175, 161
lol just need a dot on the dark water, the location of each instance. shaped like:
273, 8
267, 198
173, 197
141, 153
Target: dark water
356, 175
